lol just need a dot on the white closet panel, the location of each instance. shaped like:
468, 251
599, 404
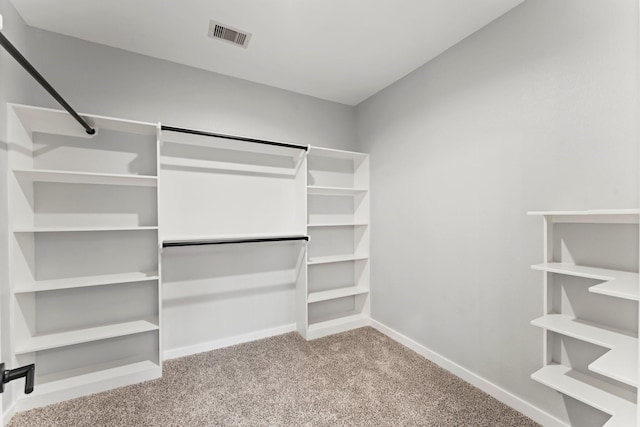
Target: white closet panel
215, 189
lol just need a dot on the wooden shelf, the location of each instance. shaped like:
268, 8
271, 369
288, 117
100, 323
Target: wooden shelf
620, 284
620, 363
84, 282
63, 339
346, 224
603, 396
43, 175
335, 258
336, 293
334, 191
78, 229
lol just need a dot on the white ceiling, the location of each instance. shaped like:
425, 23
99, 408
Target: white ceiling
340, 50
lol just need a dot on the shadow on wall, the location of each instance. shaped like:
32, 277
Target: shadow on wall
583, 415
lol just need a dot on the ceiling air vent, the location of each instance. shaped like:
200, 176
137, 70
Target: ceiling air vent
228, 34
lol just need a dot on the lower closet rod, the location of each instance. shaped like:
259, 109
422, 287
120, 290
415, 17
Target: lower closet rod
174, 243
237, 138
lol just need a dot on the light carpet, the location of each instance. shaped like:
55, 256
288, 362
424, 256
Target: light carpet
357, 378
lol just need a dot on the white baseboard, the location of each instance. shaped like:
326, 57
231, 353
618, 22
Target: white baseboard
227, 342
8, 414
488, 387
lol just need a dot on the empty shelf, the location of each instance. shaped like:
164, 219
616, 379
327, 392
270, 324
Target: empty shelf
334, 191
588, 212
320, 328
616, 402
336, 293
612, 216
42, 175
79, 382
620, 363
79, 229
335, 258
59, 122
336, 154
82, 282
345, 224
620, 284
189, 163
92, 374
63, 339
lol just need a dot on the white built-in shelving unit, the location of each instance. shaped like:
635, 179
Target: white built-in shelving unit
590, 321
84, 252
336, 295
144, 242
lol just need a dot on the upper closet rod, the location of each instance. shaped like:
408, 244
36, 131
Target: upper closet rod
36, 75
238, 138
173, 243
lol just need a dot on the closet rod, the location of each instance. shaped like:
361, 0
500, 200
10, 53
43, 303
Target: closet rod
174, 243
13, 51
237, 138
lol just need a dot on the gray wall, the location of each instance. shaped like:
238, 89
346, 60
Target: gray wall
536, 111
102, 80
15, 86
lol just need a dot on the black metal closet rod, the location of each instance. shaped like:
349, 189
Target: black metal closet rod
174, 243
237, 138
45, 84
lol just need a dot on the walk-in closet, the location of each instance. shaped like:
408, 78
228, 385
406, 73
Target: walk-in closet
362, 213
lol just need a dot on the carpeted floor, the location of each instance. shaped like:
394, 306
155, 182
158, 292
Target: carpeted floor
358, 378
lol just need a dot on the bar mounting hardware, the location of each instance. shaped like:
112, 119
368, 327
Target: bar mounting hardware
28, 372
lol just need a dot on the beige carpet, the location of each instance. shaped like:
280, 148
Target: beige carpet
358, 378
